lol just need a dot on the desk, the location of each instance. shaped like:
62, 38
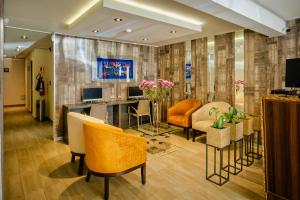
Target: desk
281, 130
117, 112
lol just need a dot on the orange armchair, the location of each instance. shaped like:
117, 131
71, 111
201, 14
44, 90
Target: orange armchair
180, 114
110, 152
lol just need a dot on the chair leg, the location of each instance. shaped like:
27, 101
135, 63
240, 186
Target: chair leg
129, 116
81, 162
88, 176
194, 135
143, 174
72, 157
150, 119
106, 187
186, 131
138, 121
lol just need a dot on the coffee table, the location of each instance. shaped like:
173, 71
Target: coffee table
157, 138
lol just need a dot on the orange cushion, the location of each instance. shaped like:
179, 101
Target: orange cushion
179, 120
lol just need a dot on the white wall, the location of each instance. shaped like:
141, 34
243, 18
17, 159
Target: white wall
14, 82
41, 58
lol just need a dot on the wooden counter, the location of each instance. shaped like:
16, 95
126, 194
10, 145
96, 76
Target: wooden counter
281, 127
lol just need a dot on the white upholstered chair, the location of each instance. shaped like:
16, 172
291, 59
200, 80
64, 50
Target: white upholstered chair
75, 136
201, 119
143, 109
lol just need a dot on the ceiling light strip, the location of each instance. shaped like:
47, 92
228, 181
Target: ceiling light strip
81, 12
160, 11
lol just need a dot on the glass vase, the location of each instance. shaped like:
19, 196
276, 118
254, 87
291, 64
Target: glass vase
155, 114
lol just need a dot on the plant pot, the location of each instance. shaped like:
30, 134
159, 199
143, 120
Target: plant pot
248, 126
218, 137
236, 131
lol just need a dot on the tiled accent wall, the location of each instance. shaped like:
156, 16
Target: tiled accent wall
74, 58
171, 67
224, 68
200, 70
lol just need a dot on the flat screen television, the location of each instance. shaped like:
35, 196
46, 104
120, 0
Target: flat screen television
292, 76
134, 92
92, 94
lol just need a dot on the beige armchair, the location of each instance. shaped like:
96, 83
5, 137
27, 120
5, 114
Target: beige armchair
201, 119
75, 136
143, 109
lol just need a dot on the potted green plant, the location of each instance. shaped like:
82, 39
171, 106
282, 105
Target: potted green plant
218, 135
247, 122
236, 125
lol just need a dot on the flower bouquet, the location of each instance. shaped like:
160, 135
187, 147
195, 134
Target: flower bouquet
156, 93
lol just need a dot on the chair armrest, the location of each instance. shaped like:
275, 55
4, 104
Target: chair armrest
191, 111
131, 107
198, 115
133, 148
172, 111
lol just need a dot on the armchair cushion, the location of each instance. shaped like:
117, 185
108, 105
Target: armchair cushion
109, 150
180, 113
203, 125
201, 119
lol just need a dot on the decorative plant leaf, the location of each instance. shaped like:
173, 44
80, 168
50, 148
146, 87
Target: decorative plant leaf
232, 115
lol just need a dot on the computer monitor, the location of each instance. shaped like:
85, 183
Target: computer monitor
92, 94
292, 76
134, 92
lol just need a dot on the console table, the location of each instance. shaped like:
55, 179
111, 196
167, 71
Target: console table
281, 129
117, 113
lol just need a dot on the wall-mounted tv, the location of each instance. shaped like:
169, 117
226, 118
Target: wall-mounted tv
134, 92
92, 94
292, 76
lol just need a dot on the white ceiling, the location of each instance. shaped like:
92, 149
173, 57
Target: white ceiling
47, 16
51, 16
12, 40
287, 9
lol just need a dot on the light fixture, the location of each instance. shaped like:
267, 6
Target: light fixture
160, 11
95, 31
118, 19
173, 31
128, 30
145, 39
24, 37
18, 48
81, 12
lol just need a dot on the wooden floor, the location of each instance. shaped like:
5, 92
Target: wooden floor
35, 167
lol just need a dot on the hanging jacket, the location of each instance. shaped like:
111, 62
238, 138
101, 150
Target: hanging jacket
40, 86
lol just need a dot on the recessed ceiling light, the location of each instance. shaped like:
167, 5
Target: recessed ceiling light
145, 39
118, 19
24, 37
95, 31
128, 30
173, 31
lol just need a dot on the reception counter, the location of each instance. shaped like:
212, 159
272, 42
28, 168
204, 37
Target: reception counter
281, 128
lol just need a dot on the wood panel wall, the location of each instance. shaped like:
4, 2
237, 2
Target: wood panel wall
224, 68
199, 79
256, 64
74, 58
171, 66
265, 63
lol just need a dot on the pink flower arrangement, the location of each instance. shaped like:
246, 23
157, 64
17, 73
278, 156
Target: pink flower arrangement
239, 82
156, 92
